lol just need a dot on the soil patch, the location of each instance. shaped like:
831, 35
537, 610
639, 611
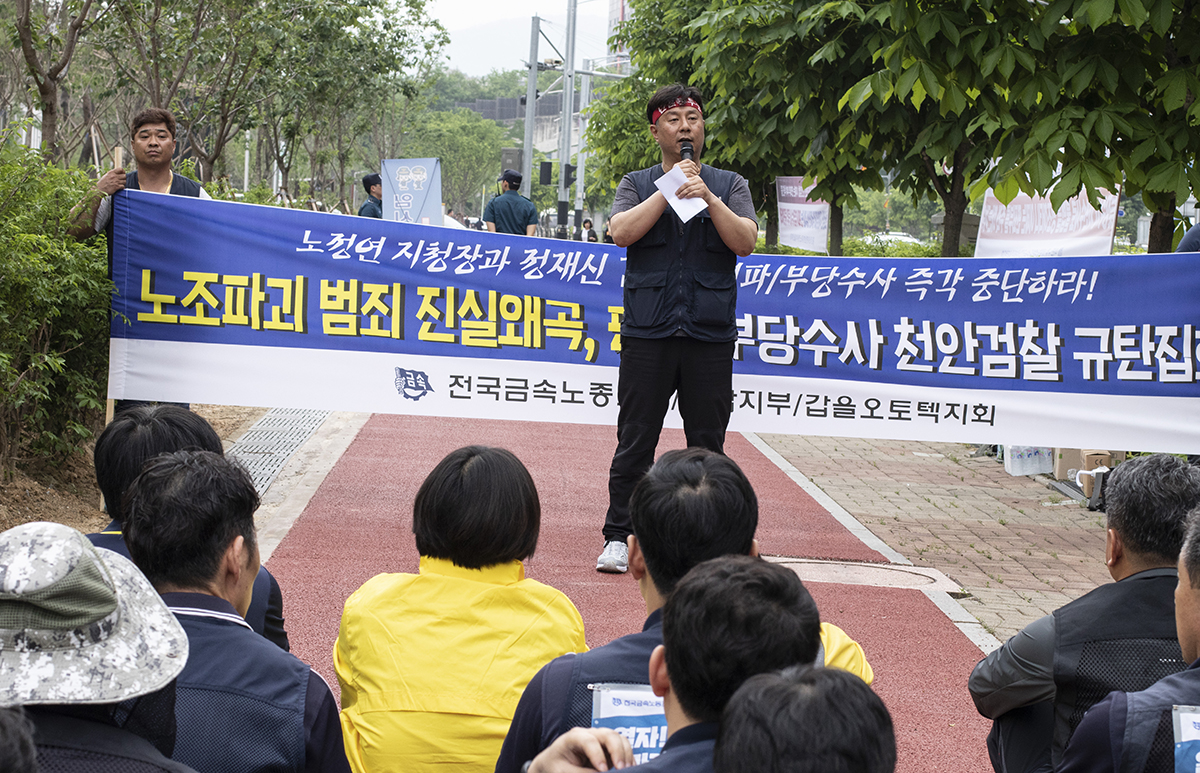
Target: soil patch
66, 493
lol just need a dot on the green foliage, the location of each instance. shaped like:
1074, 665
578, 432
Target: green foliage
1115, 92
469, 148
618, 137
54, 311
862, 248
876, 210
451, 86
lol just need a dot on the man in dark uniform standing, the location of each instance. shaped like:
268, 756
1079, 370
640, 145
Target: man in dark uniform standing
680, 293
510, 212
373, 206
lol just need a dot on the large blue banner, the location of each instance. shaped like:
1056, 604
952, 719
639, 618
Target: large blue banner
240, 304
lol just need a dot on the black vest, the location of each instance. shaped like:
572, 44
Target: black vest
180, 186
679, 277
1121, 636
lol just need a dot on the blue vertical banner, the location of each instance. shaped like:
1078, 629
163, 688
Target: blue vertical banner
238, 304
412, 190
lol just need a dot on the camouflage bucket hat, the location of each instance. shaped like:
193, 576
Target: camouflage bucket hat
79, 624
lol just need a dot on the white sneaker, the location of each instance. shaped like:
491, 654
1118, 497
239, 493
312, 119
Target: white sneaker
614, 559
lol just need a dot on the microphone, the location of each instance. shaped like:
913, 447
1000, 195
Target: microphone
686, 151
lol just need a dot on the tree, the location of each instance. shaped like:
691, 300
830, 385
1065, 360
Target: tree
773, 118
950, 66
1116, 91
48, 39
469, 148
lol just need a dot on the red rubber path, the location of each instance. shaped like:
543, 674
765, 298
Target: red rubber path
359, 523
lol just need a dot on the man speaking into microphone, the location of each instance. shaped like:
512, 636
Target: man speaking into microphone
680, 292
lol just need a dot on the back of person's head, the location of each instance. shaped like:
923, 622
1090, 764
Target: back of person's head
1147, 501
17, 753
731, 618
182, 513
669, 94
152, 115
805, 720
478, 508
371, 180
139, 434
691, 506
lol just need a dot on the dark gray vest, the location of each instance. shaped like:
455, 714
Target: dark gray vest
679, 277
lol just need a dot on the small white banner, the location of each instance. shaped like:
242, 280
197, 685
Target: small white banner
1029, 227
803, 224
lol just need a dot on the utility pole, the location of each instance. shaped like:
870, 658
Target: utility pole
564, 133
585, 96
530, 111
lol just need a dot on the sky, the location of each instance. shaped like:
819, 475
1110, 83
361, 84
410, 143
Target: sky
488, 35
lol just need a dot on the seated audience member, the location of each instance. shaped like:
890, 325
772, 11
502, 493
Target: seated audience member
432, 664
242, 704
728, 619
1120, 636
1133, 731
17, 753
691, 506
805, 720
136, 436
90, 651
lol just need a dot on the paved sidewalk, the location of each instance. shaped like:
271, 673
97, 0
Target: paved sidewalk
1017, 547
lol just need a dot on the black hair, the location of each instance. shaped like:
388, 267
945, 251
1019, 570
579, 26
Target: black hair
668, 94
183, 511
139, 434
17, 752
691, 506
371, 180
1147, 499
805, 720
1190, 552
731, 618
153, 115
478, 508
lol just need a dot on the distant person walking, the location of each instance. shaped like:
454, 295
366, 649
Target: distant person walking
510, 212
587, 233
373, 206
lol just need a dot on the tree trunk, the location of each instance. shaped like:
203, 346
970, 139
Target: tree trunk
48, 96
835, 228
1162, 228
954, 209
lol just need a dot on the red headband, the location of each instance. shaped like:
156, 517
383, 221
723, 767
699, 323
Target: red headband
679, 102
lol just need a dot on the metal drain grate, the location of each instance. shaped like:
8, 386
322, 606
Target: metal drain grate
267, 446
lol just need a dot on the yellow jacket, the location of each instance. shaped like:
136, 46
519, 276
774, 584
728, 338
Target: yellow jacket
432, 664
843, 652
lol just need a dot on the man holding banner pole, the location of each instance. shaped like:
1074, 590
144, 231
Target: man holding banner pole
683, 225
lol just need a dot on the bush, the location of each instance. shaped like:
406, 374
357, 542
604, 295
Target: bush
863, 248
54, 311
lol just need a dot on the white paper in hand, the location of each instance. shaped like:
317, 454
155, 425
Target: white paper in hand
685, 208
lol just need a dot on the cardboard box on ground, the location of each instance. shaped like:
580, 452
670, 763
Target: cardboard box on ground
1067, 461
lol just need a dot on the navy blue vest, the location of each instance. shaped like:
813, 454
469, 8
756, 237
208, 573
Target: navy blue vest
1148, 723
622, 661
239, 703
1121, 636
679, 277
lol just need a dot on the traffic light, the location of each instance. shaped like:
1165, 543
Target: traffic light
546, 173
570, 178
